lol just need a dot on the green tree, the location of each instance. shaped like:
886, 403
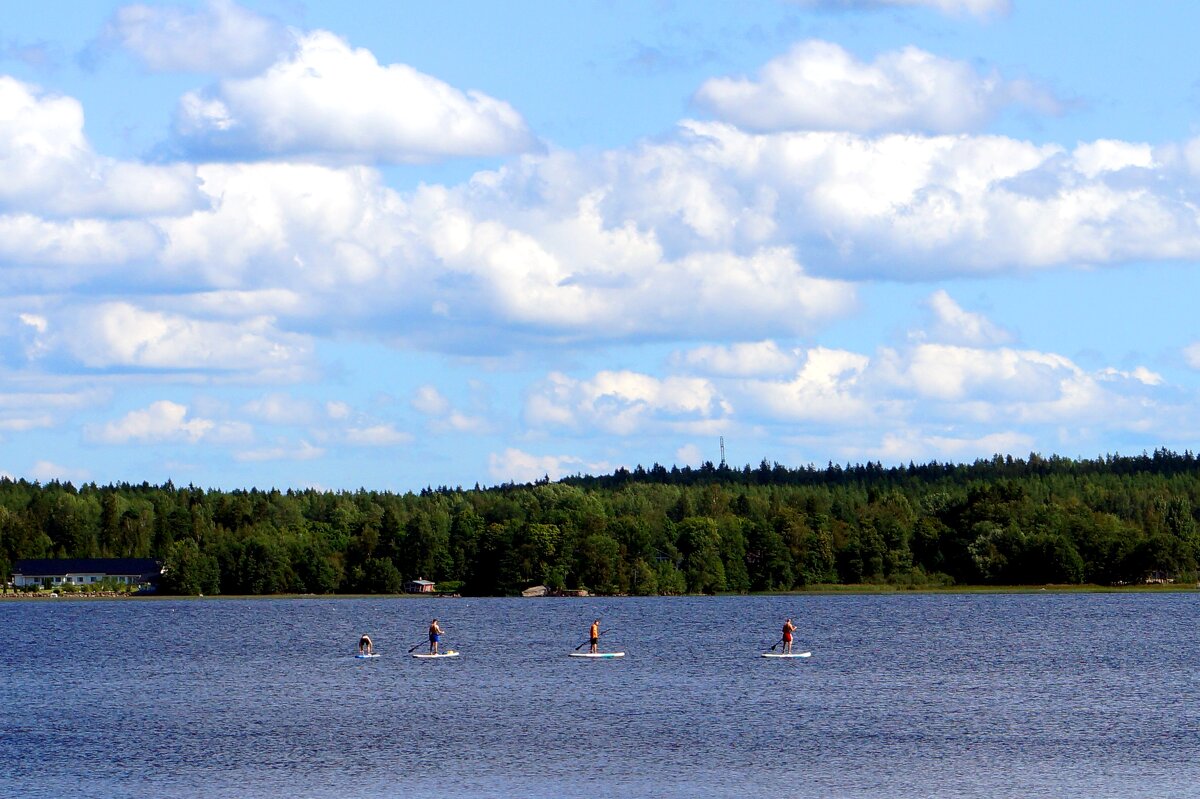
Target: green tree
317, 570
466, 530
644, 579
768, 561
818, 564
1044, 559
379, 576
427, 546
671, 581
733, 555
110, 525
263, 567
700, 544
188, 571
597, 556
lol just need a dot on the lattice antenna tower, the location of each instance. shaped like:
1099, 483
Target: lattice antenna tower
722, 452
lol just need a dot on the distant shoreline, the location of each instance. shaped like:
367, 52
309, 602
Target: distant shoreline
821, 590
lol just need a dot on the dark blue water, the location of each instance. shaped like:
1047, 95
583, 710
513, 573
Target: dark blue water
1036, 695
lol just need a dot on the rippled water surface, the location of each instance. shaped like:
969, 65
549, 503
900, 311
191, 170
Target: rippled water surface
1033, 695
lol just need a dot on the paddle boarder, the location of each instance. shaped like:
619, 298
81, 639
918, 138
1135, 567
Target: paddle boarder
594, 635
788, 629
365, 647
435, 635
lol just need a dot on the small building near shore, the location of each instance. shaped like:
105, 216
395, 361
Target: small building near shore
53, 572
419, 586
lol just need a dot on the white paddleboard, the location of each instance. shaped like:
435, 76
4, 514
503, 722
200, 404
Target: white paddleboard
597, 654
363, 656
427, 656
792, 655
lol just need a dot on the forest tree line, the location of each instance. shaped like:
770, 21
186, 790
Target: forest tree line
1000, 521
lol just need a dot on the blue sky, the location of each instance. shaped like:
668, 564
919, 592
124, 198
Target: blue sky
395, 244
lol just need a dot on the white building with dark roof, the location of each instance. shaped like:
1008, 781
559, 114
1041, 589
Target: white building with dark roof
55, 572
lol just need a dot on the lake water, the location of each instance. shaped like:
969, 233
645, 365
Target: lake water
1030, 695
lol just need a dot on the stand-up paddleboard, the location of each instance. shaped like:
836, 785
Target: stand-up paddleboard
364, 656
597, 654
792, 655
448, 654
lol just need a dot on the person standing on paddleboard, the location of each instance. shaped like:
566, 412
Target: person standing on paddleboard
435, 635
594, 635
365, 647
788, 629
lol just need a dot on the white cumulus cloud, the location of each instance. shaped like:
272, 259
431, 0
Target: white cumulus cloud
329, 100
282, 409
48, 166
1191, 354
715, 233
623, 401
377, 435
978, 8
281, 451
920, 446
952, 387
517, 466
710, 234
954, 373
969, 397
953, 324
167, 421
35, 321
460, 422
443, 416
45, 471
928, 399
826, 388
740, 359
1096, 158
689, 454
39, 407
909, 206
818, 85
221, 37
429, 401
119, 334
84, 246
473, 265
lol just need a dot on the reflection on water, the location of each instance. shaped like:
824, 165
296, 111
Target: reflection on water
923, 696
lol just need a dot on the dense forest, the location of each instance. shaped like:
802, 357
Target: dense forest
1004, 521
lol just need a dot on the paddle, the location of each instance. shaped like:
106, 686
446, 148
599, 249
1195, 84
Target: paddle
588, 641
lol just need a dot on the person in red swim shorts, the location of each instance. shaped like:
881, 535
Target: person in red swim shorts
788, 629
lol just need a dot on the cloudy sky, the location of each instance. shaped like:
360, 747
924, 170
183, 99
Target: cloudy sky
398, 244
